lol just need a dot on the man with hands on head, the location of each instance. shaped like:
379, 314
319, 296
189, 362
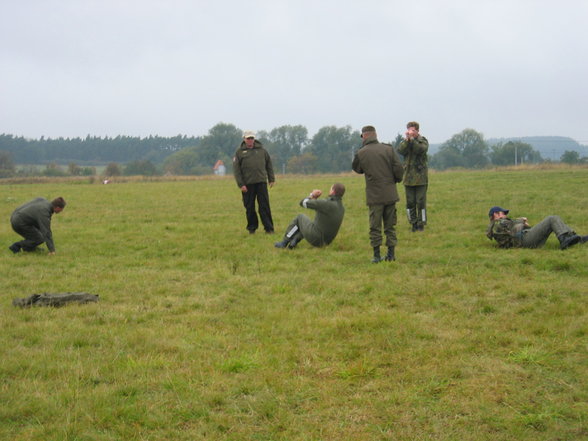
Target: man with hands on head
414, 149
323, 230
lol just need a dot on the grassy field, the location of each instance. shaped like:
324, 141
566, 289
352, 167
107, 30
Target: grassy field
205, 332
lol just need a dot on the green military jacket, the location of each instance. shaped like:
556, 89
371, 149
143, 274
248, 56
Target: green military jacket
328, 219
382, 169
508, 233
415, 161
252, 165
36, 213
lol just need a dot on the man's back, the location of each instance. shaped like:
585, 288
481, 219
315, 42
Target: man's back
329, 216
34, 210
382, 168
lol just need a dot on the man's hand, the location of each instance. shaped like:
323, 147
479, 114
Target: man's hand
244, 189
271, 184
315, 194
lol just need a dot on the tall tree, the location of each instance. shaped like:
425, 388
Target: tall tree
7, 168
220, 143
184, 162
334, 148
112, 169
144, 168
303, 164
570, 157
465, 149
514, 153
284, 142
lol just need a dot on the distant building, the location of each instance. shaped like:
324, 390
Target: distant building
219, 168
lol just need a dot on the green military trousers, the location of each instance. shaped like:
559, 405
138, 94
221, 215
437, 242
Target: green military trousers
536, 236
416, 204
386, 215
303, 226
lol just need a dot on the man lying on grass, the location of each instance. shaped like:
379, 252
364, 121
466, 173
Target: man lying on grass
517, 233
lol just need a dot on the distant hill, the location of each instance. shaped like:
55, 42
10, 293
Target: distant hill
550, 147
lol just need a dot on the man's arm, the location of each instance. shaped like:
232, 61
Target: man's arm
420, 145
237, 170
397, 168
403, 147
310, 200
271, 178
356, 165
44, 222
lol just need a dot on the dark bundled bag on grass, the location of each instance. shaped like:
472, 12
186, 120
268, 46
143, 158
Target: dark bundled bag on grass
56, 300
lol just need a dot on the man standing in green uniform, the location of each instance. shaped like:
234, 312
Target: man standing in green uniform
414, 148
33, 222
328, 219
383, 169
517, 233
252, 167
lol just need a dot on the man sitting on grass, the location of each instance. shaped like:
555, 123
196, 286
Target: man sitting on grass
329, 216
517, 233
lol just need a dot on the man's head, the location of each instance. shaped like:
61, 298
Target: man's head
58, 204
249, 138
368, 132
497, 213
414, 125
412, 129
337, 189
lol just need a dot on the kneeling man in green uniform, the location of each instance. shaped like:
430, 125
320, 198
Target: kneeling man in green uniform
324, 228
33, 222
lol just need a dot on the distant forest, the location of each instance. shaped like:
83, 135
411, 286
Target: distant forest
93, 150
330, 150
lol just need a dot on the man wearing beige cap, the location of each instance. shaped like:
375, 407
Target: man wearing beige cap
252, 167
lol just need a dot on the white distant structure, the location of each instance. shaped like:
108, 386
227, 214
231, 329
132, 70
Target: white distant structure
219, 168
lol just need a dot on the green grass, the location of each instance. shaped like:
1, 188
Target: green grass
205, 332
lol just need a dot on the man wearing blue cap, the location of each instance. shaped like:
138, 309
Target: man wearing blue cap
517, 233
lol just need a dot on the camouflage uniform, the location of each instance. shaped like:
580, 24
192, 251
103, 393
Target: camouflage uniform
415, 179
515, 233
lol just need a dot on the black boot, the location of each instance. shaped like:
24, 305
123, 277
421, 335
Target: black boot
390, 255
294, 242
15, 247
568, 239
282, 244
584, 239
377, 258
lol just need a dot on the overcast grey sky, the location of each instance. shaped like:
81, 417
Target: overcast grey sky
153, 67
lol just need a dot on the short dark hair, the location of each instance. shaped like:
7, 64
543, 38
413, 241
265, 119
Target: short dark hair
339, 189
413, 124
58, 202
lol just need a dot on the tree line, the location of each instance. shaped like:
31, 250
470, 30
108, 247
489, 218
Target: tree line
330, 150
